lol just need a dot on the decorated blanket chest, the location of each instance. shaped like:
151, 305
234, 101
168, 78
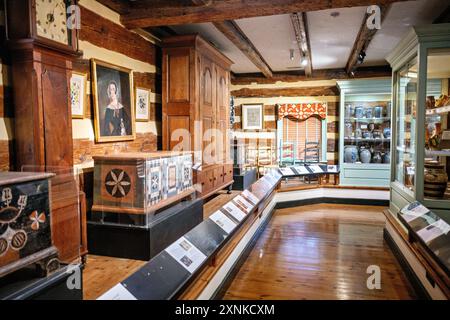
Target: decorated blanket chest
141, 183
25, 227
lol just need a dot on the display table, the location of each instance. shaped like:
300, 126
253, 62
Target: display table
169, 273
322, 171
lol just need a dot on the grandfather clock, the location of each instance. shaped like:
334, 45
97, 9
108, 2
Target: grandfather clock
41, 48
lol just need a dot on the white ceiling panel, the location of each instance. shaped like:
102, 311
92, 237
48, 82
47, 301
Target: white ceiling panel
207, 30
274, 37
401, 17
331, 37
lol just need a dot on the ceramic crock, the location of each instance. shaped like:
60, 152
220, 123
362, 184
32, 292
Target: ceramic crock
435, 179
365, 155
350, 154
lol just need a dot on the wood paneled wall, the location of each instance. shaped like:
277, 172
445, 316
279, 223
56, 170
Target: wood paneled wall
106, 34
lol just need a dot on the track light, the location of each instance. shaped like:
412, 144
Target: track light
304, 61
291, 54
361, 56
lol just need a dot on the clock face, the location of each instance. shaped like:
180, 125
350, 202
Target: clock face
51, 20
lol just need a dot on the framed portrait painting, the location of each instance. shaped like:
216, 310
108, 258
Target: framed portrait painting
142, 104
252, 116
113, 102
78, 94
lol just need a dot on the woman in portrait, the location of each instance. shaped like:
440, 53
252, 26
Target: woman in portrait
116, 121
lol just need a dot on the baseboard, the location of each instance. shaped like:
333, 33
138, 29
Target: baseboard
355, 201
419, 289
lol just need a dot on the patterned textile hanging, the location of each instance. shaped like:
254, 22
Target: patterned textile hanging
302, 111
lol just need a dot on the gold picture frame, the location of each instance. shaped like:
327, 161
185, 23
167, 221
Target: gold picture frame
144, 115
112, 93
78, 100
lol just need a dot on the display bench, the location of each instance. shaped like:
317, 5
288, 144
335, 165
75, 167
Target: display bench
177, 269
310, 170
365, 132
142, 202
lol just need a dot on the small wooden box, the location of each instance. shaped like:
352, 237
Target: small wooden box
25, 227
141, 183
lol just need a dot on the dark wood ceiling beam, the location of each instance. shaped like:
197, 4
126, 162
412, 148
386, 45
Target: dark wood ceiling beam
202, 2
300, 24
152, 13
323, 74
232, 31
444, 17
119, 6
363, 39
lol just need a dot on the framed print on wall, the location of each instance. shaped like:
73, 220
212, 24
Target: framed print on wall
78, 85
142, 104
113, 102
252, 116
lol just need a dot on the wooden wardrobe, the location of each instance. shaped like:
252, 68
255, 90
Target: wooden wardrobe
195, 97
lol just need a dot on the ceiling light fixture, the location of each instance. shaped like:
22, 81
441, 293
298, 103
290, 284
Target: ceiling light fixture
304, 61
361, 56
291, 54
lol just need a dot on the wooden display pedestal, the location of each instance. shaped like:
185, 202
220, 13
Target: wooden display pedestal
24, 285
143, 242
244, 180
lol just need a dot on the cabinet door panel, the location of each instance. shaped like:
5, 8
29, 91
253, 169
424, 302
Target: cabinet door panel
207, 109
57, 129
179, 134
178, 75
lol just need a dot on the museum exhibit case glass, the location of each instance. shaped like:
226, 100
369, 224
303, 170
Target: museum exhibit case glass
365, 132
420, 163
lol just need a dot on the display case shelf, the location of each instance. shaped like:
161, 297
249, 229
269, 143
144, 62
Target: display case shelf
440, 110
365, 132
437, 153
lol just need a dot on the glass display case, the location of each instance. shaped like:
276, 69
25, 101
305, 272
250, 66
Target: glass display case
421, 161
365, 132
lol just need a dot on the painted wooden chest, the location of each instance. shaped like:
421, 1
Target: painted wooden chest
141, 183
25, 228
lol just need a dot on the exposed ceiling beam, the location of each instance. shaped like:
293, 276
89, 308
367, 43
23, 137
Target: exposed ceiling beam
147, 13
300, 24
232, 31
323, 74
363, 39
119, 6
444, 17
202, 2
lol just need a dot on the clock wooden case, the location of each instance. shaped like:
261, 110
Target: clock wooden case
41, 68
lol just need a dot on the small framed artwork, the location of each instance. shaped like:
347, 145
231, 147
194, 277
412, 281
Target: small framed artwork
112, 91
142, 104
252, 116
78, 84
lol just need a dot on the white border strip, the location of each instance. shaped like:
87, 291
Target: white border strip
222, 273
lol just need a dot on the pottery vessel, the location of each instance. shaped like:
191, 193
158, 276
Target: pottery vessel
435, 179
365, 155
350, 154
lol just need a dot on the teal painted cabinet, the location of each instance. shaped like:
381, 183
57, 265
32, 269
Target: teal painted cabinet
365, 132
421, 131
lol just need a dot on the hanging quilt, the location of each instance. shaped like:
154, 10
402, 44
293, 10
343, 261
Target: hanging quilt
302, 111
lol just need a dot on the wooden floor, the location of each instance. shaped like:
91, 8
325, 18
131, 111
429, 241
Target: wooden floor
103, 273
320, 252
